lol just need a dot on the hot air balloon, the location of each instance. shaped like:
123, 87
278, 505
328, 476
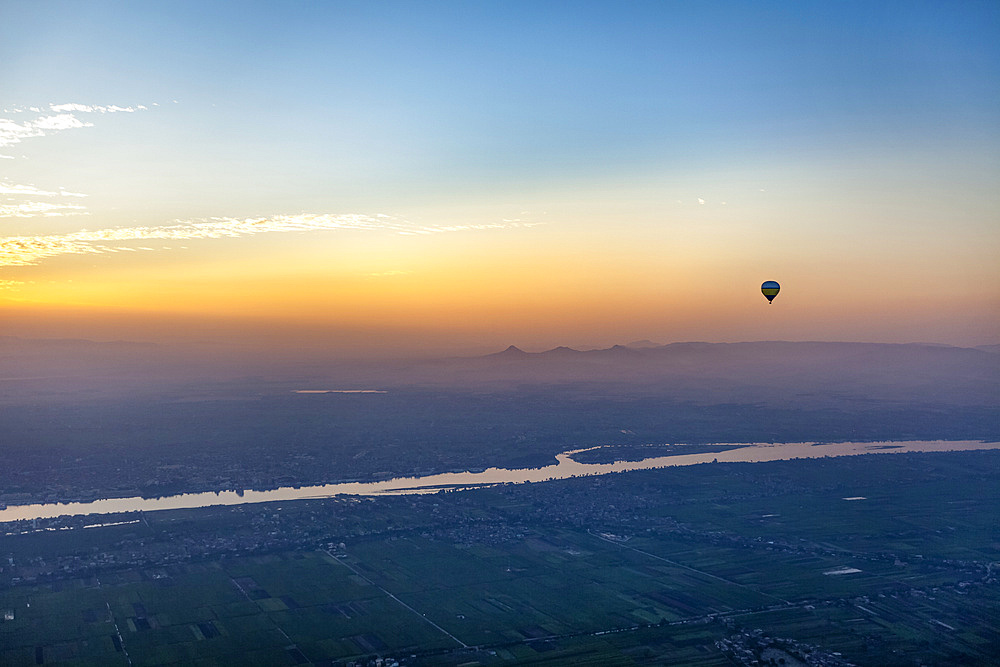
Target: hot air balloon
770, 290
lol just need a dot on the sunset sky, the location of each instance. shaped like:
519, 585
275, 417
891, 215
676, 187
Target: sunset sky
468, 175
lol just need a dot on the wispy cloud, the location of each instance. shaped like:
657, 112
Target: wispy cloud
13, 189
8, 188
12, 132
34, 209
58, 118
27, 208
30, 250
86, 108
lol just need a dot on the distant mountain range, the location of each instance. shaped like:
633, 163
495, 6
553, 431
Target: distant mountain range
791, 372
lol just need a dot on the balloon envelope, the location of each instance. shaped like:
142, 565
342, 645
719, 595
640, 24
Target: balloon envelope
770, 290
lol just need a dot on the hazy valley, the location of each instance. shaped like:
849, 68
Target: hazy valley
85, 420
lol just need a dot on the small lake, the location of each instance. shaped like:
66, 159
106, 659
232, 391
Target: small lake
564, 468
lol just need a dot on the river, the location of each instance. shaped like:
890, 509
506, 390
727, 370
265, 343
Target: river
565, 467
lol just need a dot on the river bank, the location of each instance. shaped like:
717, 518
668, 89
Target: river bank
565, 467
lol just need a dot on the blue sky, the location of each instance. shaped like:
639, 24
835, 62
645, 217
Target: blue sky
604, 127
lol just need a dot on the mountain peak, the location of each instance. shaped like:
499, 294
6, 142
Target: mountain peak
512, 352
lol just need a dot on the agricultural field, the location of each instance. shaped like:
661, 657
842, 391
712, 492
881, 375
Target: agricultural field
390, 598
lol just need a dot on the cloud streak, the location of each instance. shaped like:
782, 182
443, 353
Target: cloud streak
7, 188
62, 117
31, 209
31, 250
85, 108
34, 209
12, 132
